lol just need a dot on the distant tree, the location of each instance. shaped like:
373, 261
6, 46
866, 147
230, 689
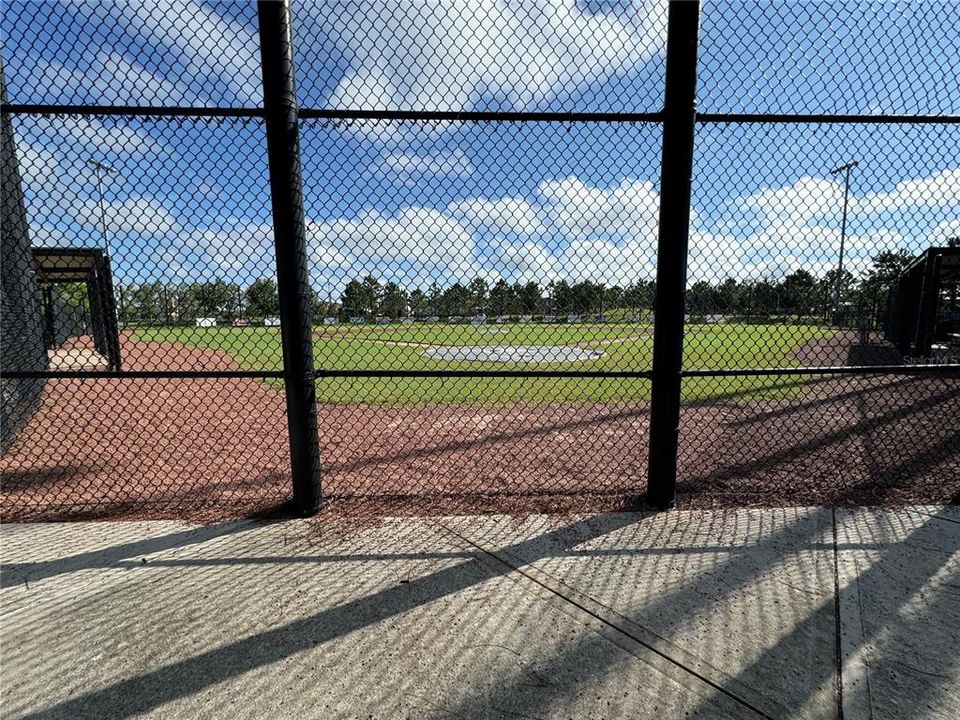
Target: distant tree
355, 301
884, 272
213, 298
394, 302
529, 298
729, 296
477, 302
373, 294
561, 297
74, 294
262, 298
145, 302
798, 292
320, 308
763, 299
639, 295
613, 297
953, 242
455, 300
419, 303
888, 265
502, 298
433, 298
584, 297
701, 298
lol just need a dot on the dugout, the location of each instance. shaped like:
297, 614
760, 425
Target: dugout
88, 267
923, 314
21, 340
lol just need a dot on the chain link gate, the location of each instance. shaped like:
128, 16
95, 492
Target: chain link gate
477, 292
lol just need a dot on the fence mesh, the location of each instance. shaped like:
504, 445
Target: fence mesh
454, 56
838, 58
481, 197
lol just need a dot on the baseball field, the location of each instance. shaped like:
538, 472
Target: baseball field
594, 347
218, 447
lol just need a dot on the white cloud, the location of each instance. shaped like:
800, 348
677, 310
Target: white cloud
173, 52
107, 138
54, 165
46, 236
446, 54
605, 262
136, 82
562, 229
413, 245
798, 227
233, 249
713, 257
107, 78
800, 202
38, 165
946, 230
629, 210
209, 45
943, 188
565, 229
510, 215
525, 262
867, 244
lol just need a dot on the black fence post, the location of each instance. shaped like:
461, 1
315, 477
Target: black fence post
296, 323
929, 302
679, 117
109, 327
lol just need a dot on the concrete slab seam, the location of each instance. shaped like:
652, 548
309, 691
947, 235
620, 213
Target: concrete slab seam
566, 597
856, 699
836, 616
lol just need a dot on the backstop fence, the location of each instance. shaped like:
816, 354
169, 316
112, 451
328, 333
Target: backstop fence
538, 256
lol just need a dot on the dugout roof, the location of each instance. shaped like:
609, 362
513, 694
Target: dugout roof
65, 265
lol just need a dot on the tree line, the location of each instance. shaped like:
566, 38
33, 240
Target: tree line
182, 303
369, 298
798, 293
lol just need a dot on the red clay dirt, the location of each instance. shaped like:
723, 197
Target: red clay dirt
216, 448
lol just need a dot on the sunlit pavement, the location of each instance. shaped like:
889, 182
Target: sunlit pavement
728, 614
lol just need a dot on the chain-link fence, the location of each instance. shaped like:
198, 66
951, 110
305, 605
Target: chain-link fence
460, 263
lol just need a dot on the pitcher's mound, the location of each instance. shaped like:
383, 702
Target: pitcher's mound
515, 353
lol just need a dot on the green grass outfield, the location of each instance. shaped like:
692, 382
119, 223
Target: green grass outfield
624, 347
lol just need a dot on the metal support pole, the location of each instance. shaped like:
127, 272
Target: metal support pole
98, 166
49, 321
676, 170
103, 214
296, 324
838, 286
838, 293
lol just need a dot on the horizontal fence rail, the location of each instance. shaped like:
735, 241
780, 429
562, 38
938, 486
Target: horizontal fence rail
474, 116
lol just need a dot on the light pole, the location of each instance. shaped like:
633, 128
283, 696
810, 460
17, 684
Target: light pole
845, 169
98, 166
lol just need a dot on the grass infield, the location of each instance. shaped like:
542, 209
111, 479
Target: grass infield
406, 347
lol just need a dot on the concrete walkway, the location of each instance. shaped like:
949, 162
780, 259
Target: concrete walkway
727, 614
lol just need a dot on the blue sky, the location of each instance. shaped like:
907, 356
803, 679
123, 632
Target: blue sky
431, 202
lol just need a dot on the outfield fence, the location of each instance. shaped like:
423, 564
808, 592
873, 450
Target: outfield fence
424, 258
